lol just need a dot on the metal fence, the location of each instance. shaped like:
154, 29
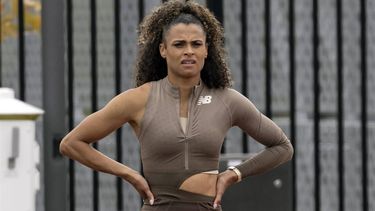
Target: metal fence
308, 64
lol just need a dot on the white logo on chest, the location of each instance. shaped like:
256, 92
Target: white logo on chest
204, 100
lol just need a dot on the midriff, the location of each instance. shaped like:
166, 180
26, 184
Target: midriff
201, 183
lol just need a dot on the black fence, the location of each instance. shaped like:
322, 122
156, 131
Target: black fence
217, 7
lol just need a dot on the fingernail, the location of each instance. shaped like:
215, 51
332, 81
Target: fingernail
215, 206
152, 201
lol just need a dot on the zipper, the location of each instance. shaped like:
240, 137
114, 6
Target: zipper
186, 155
186, 143
186, 134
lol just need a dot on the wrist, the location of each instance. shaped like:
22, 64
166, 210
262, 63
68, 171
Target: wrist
128, 174
237, 172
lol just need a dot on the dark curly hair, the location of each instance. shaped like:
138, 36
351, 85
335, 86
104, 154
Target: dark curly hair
150, 66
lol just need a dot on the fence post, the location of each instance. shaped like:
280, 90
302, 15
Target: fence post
53, 65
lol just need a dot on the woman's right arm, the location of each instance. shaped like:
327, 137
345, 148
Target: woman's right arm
126, 107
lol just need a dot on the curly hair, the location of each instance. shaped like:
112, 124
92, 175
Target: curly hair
150, 66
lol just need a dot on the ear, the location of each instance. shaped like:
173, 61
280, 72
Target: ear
162, 50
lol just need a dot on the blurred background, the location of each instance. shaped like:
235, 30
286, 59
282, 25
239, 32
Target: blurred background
307, 64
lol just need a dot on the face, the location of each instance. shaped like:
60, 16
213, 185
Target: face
184, 48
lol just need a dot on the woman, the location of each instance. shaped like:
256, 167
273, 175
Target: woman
180, 111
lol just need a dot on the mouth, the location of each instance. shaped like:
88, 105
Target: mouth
188, 61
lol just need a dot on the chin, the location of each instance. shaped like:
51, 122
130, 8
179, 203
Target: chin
190, 74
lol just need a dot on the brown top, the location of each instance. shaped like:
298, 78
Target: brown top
167, 150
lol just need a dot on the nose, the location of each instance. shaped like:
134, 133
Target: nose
189, 50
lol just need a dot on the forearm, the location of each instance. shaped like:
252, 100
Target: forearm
267, 159
278, 147
92, 158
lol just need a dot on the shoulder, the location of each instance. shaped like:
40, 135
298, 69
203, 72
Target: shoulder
234, 100
229, 95
129, 103
141, 91
136, 96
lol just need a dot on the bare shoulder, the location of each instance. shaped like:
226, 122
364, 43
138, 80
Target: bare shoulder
137, 96
129, 104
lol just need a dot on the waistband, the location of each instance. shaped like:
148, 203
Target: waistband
180, 206
164, 195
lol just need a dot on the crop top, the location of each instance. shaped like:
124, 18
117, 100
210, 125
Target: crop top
170, 155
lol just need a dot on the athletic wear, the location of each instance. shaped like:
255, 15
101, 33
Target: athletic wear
170, 156
181, 206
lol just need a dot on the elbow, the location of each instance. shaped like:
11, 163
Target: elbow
65, 146
289, 151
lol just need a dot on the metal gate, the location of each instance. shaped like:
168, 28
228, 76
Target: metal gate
307, 64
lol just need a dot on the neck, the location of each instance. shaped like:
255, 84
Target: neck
184, 84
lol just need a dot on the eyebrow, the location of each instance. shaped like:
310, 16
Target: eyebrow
198, 40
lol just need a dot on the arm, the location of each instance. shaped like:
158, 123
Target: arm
278, 147
126, 107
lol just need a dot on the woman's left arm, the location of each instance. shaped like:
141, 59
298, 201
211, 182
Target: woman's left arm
278, 148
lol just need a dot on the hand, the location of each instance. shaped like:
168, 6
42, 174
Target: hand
224, 180
141, 185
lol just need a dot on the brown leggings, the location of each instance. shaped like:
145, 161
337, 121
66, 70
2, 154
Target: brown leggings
181, 206
172, 199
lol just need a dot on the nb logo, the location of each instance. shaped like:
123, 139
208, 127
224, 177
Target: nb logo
204, 100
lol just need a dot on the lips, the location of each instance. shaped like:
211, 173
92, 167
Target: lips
188, 61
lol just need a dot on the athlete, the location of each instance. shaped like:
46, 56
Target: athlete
180, 111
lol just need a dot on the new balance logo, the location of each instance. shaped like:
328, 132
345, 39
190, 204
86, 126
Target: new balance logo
204, 100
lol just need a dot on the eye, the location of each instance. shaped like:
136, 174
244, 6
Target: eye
178, 44
197, 44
